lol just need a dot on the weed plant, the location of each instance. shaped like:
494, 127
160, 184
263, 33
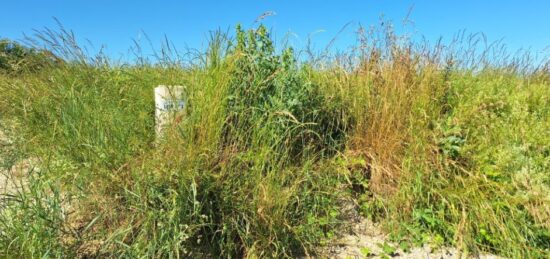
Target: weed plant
442, 144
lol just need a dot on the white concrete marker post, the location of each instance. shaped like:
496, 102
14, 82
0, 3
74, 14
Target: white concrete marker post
169, 103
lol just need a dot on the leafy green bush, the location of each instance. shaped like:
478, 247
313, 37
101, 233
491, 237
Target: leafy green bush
269, 94
16, 58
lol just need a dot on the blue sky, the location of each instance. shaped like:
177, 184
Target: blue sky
114, 24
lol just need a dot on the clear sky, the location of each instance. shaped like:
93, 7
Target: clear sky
114, 24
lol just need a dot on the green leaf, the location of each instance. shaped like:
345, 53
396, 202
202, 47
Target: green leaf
365, 251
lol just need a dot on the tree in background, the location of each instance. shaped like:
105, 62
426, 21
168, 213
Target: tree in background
16, 58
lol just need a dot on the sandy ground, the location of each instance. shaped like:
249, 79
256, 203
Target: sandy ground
362, 236
4, 183
13, 178
367, 236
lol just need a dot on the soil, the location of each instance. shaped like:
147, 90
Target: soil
11, 179
366, 236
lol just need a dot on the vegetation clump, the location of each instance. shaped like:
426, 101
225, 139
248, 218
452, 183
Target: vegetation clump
437, 143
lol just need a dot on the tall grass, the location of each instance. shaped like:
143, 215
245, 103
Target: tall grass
442, 144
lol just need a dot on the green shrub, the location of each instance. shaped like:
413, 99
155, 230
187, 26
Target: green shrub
270, 95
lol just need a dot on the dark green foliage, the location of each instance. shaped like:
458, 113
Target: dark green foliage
16, 58
269, 93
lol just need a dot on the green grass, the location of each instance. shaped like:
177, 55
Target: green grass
442, 147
